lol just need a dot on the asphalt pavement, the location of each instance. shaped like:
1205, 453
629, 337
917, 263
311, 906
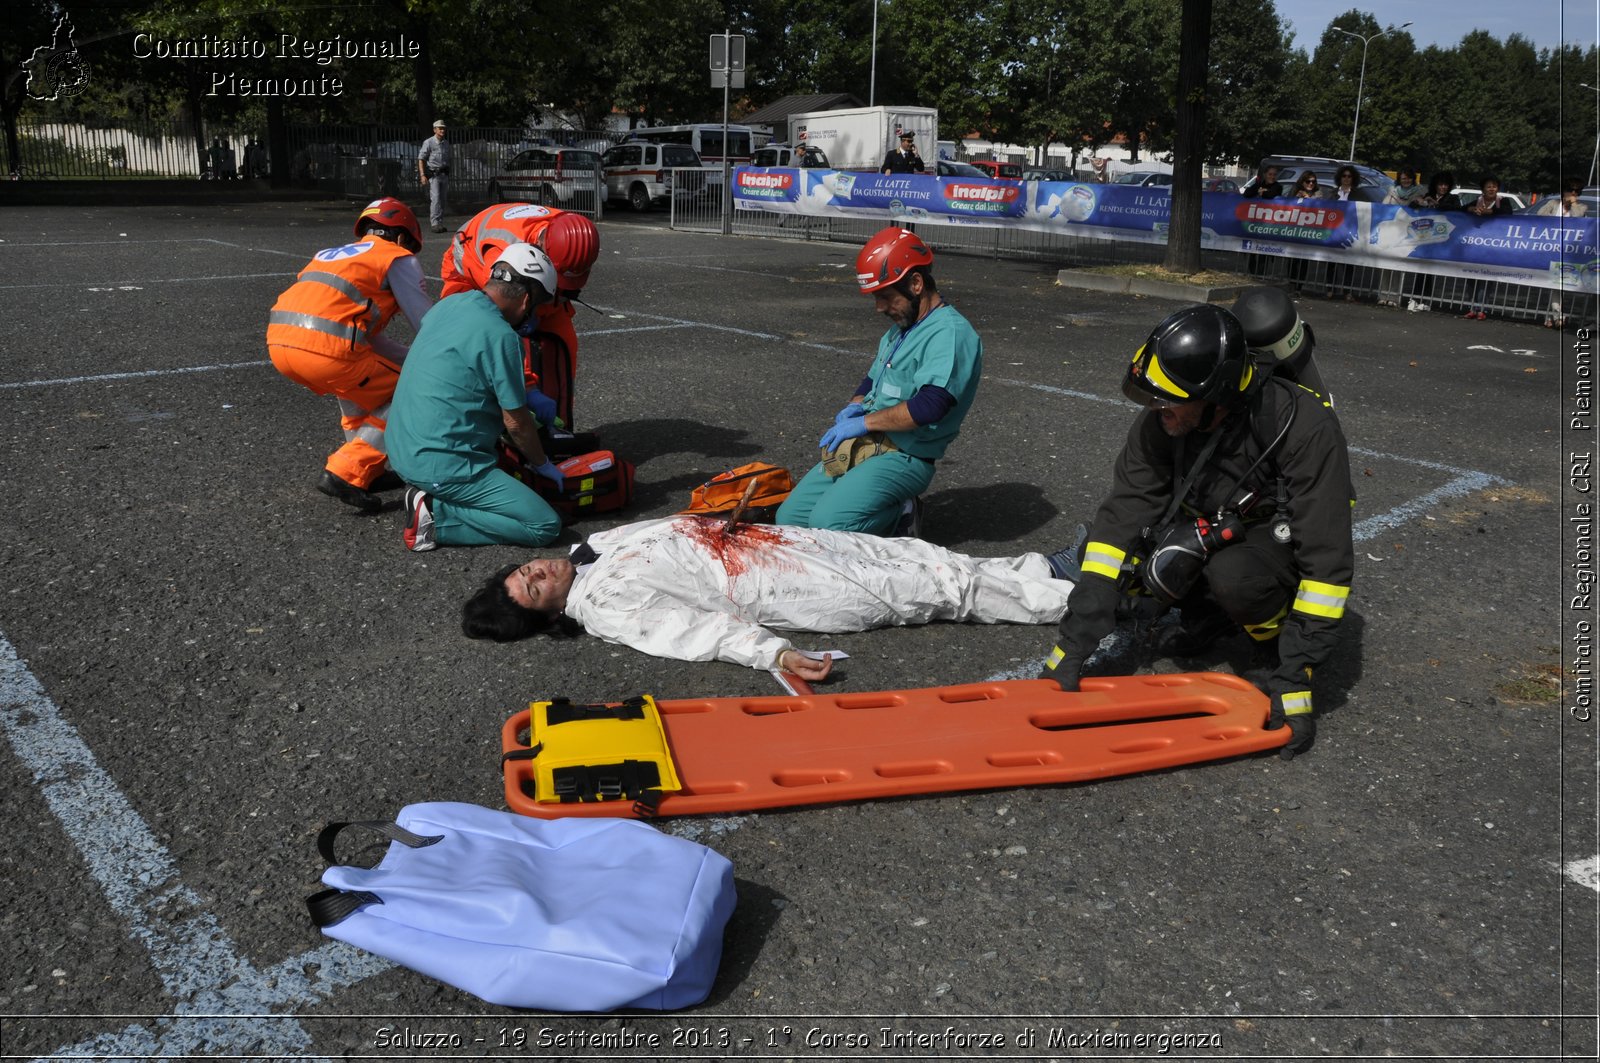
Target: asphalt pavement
203, 661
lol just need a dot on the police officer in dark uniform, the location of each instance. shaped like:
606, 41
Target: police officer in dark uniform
1231, 499
904, 159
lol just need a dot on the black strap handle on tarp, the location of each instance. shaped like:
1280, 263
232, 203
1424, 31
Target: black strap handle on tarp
333, 906
393, 831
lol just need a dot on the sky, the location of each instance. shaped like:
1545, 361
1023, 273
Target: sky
1444, 24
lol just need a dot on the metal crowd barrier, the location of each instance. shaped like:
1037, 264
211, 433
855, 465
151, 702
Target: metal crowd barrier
1358, 282
696, 203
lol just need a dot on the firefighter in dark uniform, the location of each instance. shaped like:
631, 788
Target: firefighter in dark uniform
1231, 500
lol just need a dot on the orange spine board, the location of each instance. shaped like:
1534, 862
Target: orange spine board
746, 754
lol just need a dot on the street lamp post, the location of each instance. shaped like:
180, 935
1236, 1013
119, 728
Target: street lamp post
1362, 82
1595, 164
872, 84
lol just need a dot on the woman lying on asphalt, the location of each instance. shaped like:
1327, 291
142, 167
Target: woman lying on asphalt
694, 589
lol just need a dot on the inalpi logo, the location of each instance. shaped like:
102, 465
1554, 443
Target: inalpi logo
982, 193
765, 180
1289, 214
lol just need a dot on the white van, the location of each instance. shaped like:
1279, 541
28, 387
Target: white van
641, 173
784, 155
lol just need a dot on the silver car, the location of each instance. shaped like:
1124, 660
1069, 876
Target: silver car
555, 177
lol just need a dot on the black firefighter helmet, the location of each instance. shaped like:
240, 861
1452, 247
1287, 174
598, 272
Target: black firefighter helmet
1196, 354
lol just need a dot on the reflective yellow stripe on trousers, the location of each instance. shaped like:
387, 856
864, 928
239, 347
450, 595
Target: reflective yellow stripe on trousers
1103, 560
1297, 703
1321, 599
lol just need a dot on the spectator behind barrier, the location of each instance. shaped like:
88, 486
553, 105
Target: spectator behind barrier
1265, 186
1439, 196
1490, 202
1566, 205
1307, 187
1406, 192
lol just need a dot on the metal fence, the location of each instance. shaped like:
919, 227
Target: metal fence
370, 160
66, 150
1404, 289
357, 160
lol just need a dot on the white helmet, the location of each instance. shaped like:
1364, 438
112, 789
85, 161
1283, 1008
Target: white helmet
526, 265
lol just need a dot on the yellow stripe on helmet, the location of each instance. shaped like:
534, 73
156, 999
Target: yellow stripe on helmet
1158, 376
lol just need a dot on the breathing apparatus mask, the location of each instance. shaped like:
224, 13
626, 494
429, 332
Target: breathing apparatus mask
1182, 553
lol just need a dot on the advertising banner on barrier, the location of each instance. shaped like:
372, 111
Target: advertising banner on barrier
1518, 248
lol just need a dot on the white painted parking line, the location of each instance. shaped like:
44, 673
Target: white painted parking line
101, 245
723, 328
1462, 482
102, 377
694, 324
1585, 872
190, 952
1521, 352
1068, 392
105, 286
635, 328
260, 250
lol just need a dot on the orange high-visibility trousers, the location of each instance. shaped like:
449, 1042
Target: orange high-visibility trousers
364, 385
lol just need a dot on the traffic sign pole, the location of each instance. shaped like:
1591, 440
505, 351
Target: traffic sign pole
727, 59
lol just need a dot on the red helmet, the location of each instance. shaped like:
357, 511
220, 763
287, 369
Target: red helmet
889, 256
392, 216
573, 244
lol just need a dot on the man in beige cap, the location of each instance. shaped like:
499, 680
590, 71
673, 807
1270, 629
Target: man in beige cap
433, 170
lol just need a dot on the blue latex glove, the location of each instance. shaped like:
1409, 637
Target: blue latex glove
849, 428
851, 409
549, 471
543, 407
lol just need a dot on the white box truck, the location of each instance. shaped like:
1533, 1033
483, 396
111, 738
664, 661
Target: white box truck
858, 138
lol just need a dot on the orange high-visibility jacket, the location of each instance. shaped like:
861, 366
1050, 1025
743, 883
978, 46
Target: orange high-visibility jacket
478, 243
339, 301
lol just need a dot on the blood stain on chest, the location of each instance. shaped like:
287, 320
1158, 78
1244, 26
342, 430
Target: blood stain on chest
743, 547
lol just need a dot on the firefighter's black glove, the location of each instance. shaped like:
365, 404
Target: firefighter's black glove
1063, 669
1302, 728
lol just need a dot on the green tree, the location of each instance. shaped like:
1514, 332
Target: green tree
807, 49
1390, 105
1084, 73
1249, 114
1572, 152
945, 54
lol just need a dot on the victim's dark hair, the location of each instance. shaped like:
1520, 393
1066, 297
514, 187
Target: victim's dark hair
491, 614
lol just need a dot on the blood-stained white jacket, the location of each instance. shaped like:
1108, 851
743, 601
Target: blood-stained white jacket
680, 588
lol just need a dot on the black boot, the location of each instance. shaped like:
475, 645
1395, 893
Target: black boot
1263, 663
1198, 626
348, 493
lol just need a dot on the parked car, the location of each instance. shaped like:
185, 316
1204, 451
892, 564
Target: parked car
1144, 179
1467, 195
1375, 184
322, 162
1589, 197
951, 168
403, 150
1048, 175
556, 177
1009, 170
642, 173
1219, 184
784, 155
